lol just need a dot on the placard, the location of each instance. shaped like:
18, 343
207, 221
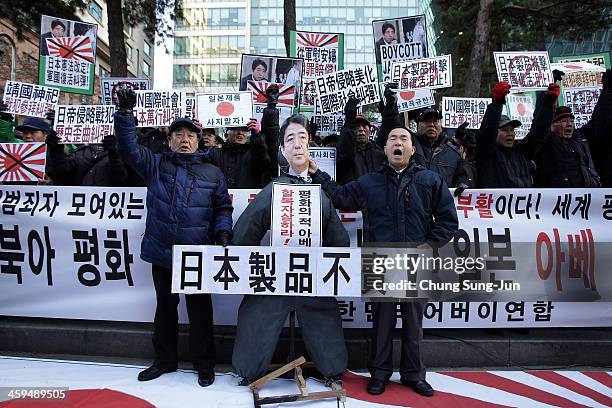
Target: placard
22, 162
456, 111
232, 109
427, 73
296, 215
526, 70
83, 123
159, 108
334, 90
109, 87
30, 100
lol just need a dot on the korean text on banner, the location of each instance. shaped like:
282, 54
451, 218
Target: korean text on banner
296, 215
232, 109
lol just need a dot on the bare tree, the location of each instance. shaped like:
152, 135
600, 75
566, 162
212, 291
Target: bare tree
289, 23
480, 51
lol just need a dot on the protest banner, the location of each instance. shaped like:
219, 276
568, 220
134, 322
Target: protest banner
67, 55
232, 109
264, 270
296, 215
276, 70
28, 99
190, 108
159, 108
582, 102
325, 158
100, 276
427, 73
408, 100
526, 70
333, 90
109, 87
283, 112
520, 106
398, 39
83, 123
286, 93
583, 79
456, 111
323, 53
22, 162
329, 123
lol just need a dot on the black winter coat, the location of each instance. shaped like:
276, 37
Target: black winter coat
89, 165
598, 133
413, 207
443, 157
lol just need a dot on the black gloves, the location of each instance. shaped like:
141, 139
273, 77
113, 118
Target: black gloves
222, 238
460, 189
52, 140
50, 117
313, 128
350, 109
389, 92
5, 115
558, 75
126, 99
110, 144
272, 93
606, 79
461, 131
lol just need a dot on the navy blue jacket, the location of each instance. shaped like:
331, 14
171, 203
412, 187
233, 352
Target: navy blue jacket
413, 207
187, 199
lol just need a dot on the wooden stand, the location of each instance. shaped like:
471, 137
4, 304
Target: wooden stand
337, 391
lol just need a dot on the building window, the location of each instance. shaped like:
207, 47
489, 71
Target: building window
146, 69
128, 52
103, 72
95, 10
146, 48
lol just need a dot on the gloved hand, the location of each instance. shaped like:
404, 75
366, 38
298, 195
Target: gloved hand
52, 139
5, 115
606, 79
461, 131
461, 187
389, 92
558, 75
313, 128
50, 117
126, 99
110, 144
254, 126
222, 238
197, 123
350, 109
500, 91
272, 93
552, 94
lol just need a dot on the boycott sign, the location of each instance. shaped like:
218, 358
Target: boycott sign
109, 281
225, 109
323, 53
67, 54
520, 106
266, 270
296, 215
456, 111
582, 102
159, 108
29, 100
283, 112
430, 73
110, 86
408, 100
22, 162
83, 123
583, 79
527, 70
333, 90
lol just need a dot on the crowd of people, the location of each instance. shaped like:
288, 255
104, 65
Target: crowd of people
400, 179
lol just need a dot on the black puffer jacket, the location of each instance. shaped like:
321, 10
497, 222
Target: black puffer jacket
355, 159
443, 157
598, 133
89, 165
503, 167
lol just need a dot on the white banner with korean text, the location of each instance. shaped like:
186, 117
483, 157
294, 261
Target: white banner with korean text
73, 252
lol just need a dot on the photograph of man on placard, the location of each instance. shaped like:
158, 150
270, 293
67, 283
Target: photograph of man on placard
52, 27
255, 68
386, 32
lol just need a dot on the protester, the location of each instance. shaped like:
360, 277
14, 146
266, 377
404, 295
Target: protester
501, 161
465, 140
598, 131
7, 126
243, 162
330, 141
409, 204
156, 140
356, 155
261, 318
210, 140
434, 150
187, 203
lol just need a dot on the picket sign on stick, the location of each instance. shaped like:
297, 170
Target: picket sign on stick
527, 70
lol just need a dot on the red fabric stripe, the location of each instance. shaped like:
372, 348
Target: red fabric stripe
600, 376
572, 385
400, 395
84, 398
511, 386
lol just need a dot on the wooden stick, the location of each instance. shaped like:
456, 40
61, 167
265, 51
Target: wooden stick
277, 373
299, 380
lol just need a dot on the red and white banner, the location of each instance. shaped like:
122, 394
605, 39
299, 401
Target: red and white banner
22, 161
78, 48
258, 88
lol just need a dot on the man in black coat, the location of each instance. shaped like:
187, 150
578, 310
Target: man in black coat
598, 131
503, 162
434, 150
356, 155
408, 204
